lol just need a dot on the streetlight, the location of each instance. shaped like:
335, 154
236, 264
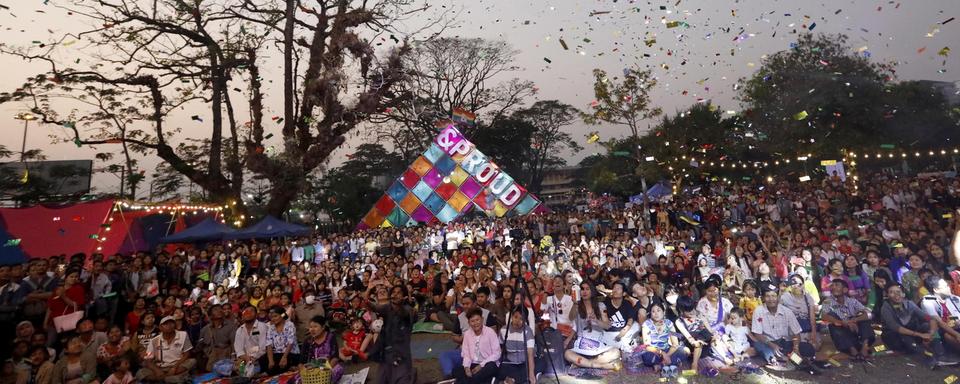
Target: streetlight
26, 117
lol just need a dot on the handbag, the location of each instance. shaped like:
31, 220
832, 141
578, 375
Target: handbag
68, 321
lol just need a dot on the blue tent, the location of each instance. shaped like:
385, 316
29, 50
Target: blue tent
207, 230
10, 252
656, 192
270, 227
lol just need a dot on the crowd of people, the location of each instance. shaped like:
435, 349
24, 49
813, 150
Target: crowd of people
729, 279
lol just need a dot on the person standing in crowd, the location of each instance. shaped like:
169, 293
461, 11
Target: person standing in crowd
398, 318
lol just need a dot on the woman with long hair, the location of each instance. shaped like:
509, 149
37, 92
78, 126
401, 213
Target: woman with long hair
858, 278
588, 350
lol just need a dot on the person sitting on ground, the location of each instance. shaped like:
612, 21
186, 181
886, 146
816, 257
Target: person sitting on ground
168, 355
321, 346
517, 366
121, 371
75, 366
849, 322
663, 351
356, 341
776, 332
589, 350
480, 351
943, 307
907, 329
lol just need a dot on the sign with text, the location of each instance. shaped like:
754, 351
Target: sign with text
448, 180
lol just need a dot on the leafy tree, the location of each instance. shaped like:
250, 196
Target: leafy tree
344, 196
818, 97
157, 56
918, 115
506, 142
549, 142
372, 160
626, 102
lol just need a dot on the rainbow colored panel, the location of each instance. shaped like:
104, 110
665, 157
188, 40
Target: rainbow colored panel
448, 180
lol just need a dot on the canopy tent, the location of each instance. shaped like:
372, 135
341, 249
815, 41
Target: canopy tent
207, 230
46, 231
270, 227
657, 192
105, 226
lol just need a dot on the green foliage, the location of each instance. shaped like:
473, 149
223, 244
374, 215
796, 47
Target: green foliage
548, 144
506, 142
342, 195
626, 102
820, 96
372, 160
918, 115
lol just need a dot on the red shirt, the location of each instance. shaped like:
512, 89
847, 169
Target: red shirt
58, 307
133, 321
354, 339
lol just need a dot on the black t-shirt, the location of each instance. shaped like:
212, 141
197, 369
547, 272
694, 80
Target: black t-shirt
627, 277
645, 308
619, 316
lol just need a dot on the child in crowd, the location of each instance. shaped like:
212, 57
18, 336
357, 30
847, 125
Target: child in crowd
738, 337
356, 341
121, 371
749, 301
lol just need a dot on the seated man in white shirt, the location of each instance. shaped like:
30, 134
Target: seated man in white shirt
250, 341
777, 331
168, 355
943, 307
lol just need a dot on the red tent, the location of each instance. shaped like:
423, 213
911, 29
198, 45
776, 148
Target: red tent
46, 231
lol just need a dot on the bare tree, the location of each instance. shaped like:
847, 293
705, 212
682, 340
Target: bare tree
167, 54
443, 74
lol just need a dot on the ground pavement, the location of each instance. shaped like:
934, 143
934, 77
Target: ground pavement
884, 369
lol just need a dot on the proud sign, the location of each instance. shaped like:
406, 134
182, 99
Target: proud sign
449, 179
477, 164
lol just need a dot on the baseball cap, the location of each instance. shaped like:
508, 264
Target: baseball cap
167, 318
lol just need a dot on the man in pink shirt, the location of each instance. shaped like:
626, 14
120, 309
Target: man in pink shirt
480, 351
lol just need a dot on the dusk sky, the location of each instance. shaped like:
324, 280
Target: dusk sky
721, 42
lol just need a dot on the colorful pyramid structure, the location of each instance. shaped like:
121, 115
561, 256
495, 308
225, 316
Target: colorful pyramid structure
448, 180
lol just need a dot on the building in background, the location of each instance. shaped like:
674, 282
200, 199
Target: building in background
562, 187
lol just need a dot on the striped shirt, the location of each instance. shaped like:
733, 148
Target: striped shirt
517, 344
842, 311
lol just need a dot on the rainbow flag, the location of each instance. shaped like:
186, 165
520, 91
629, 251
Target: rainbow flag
464, 116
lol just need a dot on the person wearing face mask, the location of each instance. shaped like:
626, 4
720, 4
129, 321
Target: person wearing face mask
250, 341
304, 311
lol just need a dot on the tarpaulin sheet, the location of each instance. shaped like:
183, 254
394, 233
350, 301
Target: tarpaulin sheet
49, 231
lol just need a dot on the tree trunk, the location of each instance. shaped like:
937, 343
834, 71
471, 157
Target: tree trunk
282, 195
288, 76
216, 106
